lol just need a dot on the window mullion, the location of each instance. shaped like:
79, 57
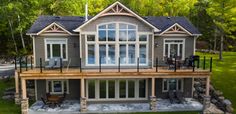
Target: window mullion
51, 50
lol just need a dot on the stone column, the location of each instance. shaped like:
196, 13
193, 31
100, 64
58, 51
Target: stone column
207, 102
83, 101
24, 101
17, 95
153, 100
24, 106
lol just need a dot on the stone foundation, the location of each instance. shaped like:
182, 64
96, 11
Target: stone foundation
83, 105
17, 99
153, 103
24, 106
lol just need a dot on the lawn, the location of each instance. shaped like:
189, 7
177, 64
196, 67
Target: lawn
223, 78
224, 74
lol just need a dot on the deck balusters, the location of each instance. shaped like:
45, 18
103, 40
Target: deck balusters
26, 63
156, 64
31, 62
100, 64
119, 65
15, 63
211, 64
61, 65
193, 65
80, 67
20, 64
40, 61
204, 63
138, 64
175, 64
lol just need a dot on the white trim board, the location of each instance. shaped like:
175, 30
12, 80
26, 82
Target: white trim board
54, 23
110, 7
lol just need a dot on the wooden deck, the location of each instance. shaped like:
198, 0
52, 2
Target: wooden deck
75, 73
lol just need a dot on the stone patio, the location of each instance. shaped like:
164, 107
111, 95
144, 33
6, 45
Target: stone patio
73, 107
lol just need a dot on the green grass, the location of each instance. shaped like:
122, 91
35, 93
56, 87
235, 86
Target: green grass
7, 107
224, 74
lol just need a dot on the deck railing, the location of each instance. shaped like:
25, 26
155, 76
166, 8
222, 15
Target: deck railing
195, 64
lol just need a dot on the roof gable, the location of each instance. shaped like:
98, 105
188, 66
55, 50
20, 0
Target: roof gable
176, 28
54, 28
117, 9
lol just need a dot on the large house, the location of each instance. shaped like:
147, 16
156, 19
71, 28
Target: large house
115, 58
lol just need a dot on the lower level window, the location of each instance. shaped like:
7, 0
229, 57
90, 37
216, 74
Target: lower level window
57, 86
172, 85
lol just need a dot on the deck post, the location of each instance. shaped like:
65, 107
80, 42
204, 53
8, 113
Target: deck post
31, 62
100, 64
80, 67
17, 95
207, 96
153, 100
15, 63
156, 64
83, 102
138, 64
24, 101
211, 64
40, 60
119, 65
193, 64
175, 64
204, 63
61, 65
26, 63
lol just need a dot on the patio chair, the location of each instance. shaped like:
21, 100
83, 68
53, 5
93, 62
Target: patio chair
51, 63
47, 96
45, 102
170, 63
171, 96
58, 62
62, 98
180, 97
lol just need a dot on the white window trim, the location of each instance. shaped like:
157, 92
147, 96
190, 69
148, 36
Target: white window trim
117, 92
58, 41
164, 43
116, 43
177, 83
62, 81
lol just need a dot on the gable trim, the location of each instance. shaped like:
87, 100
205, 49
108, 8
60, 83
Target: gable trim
176, 24
54, 23
110, 7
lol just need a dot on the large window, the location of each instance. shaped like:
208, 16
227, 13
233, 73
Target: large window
56, 48
57, 86
116, 41
172, 85
174, 48
117, 89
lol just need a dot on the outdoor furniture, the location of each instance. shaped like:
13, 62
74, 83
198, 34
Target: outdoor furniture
54, 99
45, 102
180, 97
62, 98
171, 96
170, 63
51, 63
58, 62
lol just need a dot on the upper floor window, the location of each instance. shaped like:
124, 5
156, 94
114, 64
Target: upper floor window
56, 48
107, 32
174, 48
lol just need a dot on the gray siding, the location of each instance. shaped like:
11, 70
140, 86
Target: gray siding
73, 50
187, 89
158, 50
74, 89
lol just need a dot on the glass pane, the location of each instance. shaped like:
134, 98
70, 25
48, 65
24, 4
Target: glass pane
131, 90
57, 86
122, 88
142, 88
122, 35
142, 53
91, 54
48, 51
102, 27
111, 54
102, 54
64, 51
166, 50
143, 38
102, 88
131, 55
102, 35
90, 37
111, 35
91, 88
122, 54
122, 26
172, 84
111, 88
112, 26
56, 50
131, 35
173, 50
131, 27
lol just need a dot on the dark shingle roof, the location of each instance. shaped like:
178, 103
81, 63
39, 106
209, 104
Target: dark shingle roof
70, 23
164, 23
